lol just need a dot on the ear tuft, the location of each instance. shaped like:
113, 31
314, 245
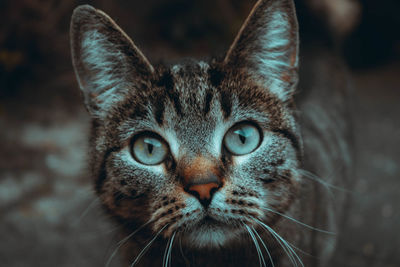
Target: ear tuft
267, 47
107, 64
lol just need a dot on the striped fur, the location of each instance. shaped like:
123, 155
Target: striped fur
191, 106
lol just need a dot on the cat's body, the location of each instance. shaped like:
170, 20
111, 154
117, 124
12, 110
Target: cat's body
198, 162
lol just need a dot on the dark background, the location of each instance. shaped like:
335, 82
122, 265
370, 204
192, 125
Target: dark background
49, 215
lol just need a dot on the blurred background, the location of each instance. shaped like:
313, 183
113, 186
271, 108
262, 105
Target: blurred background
49, 215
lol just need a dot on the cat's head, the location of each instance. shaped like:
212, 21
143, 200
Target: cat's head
200, 150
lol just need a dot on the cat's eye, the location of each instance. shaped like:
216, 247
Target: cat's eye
149, 149
243, 138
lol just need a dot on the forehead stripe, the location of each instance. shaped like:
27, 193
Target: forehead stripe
167, 81
215, 76
159, 107
207, 102
226, 103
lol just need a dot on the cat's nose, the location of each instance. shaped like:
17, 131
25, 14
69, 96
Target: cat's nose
204, 190
201, 179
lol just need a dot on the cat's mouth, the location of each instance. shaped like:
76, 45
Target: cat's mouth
208, 220
209, 232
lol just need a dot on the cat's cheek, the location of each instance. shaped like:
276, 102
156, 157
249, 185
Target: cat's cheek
129, 186
121, 205
174, 210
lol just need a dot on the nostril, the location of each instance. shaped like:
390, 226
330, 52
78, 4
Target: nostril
194, 193
203, 192
213, 190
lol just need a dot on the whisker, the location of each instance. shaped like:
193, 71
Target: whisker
299, 250
288, 246
112, 229
265, 247
139, 256
164, 264
316, 178
86, 211
288, 253
284, 247
169, 256
288, 249
301, 223
123, 241
183, 255
260, 256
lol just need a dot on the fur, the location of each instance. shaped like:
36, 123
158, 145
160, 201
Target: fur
191, 106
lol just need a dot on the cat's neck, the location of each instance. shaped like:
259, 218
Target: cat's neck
231, 255
180, 256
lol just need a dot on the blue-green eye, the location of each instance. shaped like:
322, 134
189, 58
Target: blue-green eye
149, 149
242, 139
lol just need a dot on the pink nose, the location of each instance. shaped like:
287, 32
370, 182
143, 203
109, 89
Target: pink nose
203, 191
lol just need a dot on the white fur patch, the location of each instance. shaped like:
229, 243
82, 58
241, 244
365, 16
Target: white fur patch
207, 236
217, 139
173, 143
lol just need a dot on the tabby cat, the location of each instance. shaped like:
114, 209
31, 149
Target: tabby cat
205, 164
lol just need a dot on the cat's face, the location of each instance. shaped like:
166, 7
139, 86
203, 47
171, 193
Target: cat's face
199, 150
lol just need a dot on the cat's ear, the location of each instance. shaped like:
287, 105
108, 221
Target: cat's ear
266, 47
107, 63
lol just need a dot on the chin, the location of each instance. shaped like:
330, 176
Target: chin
210, 233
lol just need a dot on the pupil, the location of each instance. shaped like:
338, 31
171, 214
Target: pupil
242, 138
150, 148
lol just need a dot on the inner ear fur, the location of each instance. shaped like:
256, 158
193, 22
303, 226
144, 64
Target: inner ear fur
106, 61
267, 47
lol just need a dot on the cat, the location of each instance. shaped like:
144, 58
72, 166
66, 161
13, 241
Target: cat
218, 163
